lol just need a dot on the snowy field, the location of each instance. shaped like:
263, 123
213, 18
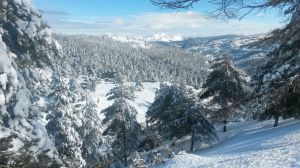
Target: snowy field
143, 98
249, 144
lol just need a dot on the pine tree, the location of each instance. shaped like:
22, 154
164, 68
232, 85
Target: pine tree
121, 122
227, 85
109, 58
150, 139
283, 101
277, 80
137, 161
64, 122
175, 111
26, 49
91, 133
138, 85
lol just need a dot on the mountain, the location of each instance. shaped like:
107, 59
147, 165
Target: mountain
163, 37
247, 52
60, 94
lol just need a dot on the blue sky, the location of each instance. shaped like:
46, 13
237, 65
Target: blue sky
141, 18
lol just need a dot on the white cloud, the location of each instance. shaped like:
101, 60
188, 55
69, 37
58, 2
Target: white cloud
165, 21
186, 23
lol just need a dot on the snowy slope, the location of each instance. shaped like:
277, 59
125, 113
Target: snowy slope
249, 144
246, 51
144, 98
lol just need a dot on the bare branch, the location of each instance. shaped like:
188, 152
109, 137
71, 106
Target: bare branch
235, 8
175, 4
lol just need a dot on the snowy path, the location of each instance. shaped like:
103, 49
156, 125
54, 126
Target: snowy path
249, 144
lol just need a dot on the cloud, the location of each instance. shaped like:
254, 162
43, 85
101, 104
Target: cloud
186, 23
165, 21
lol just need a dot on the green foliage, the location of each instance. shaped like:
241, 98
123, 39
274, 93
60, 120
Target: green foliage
175, 111
277, 81
225, 83
227, 86
150, 139
285, 102
121, 122
24, 158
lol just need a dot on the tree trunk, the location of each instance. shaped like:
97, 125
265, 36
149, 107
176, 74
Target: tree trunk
276, 117
224, 127
225, 123
192, 139
124, 145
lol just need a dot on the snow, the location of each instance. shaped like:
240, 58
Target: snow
143, 98
16, 145
5, 61
248, 144
145, 42
27, 2
165, 37
21, 107
2, 98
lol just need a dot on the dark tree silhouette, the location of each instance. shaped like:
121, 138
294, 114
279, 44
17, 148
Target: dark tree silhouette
227, 85
235, 8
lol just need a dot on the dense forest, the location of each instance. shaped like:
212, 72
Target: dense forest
48, 119
109, 58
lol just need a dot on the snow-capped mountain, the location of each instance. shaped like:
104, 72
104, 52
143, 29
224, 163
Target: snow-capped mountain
145, 42
164, 37
157, 37
246, 51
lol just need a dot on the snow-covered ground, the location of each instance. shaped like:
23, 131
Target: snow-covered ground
143, 98
249, 144
252, 144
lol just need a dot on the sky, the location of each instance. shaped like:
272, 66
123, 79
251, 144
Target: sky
142, 18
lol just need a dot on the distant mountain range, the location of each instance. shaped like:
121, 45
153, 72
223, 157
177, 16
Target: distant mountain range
247, 52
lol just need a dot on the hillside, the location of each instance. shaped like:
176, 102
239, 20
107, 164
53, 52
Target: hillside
248, 144
247, 52
109, 57
91, 101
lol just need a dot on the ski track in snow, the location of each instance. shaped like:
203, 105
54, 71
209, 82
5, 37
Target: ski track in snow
249, 144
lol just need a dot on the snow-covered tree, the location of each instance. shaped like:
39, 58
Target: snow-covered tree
26, 50
274, 78
285, 102
121, 122
150, 139
138, 85
91, 133
109, 58
277, 80
137, 161
175, 111
227, 85
65, 121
